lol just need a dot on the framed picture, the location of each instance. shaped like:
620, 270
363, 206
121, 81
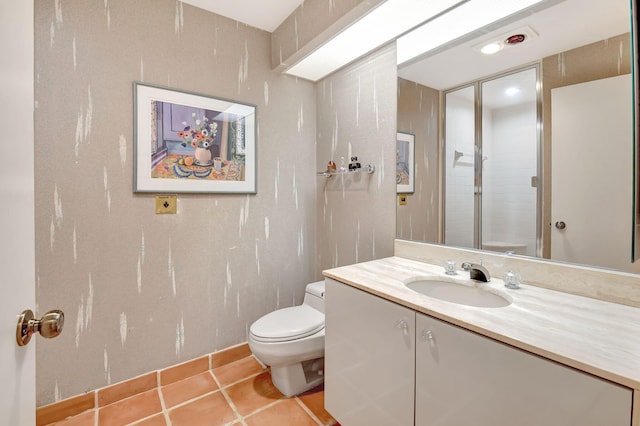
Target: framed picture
185, 142
405, 163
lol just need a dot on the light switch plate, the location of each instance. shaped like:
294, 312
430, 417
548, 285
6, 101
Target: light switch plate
166, 204
402, 199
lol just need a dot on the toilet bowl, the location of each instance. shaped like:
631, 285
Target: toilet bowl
291, 342
505, 247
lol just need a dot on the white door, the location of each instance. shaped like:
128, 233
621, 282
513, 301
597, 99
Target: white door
17, 259
592, 154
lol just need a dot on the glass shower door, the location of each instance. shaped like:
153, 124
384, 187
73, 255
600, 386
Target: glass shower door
491, 139
460, 136
510, 163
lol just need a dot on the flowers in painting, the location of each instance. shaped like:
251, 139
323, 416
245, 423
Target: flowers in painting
201, 134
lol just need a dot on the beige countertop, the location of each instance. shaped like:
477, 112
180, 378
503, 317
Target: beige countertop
601, 338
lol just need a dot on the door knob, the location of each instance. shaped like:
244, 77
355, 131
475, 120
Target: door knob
49, 326
561, 225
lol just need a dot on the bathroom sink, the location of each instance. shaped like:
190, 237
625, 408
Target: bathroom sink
462, 293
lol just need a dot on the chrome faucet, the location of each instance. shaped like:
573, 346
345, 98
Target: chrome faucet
477, 272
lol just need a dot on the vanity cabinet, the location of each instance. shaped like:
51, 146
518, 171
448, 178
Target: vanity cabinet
463, 378
369, 358
386, 364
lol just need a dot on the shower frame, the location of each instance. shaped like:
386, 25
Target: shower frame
478, 156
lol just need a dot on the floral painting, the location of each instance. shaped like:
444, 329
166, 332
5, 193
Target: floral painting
193, 143
405, 150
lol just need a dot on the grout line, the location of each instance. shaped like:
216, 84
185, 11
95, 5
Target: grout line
265, 407
308, 410
165, 411
95, 405
227, 398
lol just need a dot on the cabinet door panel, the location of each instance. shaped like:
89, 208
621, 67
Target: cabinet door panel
369, 358
463, 378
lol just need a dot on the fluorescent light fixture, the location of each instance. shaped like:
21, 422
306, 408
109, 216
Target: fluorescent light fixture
462, 20
384, 23
491, 48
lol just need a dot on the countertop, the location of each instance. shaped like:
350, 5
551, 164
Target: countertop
598, 337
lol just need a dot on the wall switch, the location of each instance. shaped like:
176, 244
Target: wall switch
402, 199
166, 204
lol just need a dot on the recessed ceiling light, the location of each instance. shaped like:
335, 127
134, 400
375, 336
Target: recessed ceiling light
491, 48
506, 40
512, 91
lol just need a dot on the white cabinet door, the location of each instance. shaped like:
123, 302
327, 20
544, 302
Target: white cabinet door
369, 358
463, 378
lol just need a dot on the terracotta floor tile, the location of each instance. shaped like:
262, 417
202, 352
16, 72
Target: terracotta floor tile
183, 371
157, 420
210, 410
64, 409
253, 393
187, 389
227, 356
84, 419
237, 370
128, 388
285, 412
314, 401
131, 409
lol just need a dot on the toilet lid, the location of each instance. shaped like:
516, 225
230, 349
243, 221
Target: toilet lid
288, 324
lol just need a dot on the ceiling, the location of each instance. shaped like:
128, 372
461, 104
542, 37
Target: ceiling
566, 25
264, 14
563, 26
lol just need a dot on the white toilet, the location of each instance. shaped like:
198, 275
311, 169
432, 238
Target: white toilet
291, 342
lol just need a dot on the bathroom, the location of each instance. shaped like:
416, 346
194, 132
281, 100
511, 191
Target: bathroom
143, 291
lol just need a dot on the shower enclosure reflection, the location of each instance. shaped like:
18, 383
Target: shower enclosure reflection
491, 199
479, 213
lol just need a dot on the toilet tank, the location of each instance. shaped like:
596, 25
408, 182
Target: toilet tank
314, 295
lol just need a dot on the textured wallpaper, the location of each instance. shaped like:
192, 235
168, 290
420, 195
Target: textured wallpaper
418, 114
356, 116
143, 291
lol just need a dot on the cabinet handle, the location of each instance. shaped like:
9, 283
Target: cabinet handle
427, 336
402, 325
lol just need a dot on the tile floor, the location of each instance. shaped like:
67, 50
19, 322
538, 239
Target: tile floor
238, 393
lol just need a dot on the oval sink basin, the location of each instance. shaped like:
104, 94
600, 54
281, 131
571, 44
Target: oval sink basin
458, 293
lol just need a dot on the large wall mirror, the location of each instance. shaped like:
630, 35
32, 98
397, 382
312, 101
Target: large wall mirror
528, 150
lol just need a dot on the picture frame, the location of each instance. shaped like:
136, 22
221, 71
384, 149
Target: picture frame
405, 163
191, 143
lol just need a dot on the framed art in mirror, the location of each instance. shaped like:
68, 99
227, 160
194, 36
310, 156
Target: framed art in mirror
190, 143
405, 163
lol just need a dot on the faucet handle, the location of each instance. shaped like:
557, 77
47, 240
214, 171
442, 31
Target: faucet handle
450, 267
466, 266
512, 280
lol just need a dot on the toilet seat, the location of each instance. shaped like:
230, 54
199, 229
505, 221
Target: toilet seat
288, 324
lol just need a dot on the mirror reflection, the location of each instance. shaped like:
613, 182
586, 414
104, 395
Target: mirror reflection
529, 149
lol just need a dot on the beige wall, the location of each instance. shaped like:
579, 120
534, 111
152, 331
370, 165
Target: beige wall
356, 115
418, 114
142, 291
